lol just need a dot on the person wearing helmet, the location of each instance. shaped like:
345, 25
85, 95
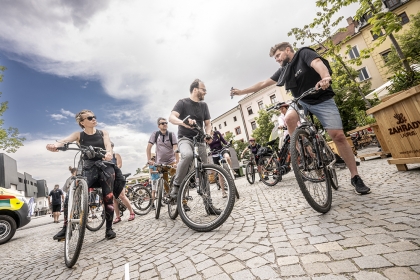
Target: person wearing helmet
253, 147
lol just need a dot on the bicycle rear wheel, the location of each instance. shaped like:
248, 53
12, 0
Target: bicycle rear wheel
158, 198
76, 226
313, 180
250, 173
96, 212
208, 209
270, 170
172, 205
141, 199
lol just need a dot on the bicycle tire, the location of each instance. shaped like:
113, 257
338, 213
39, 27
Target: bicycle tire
158, 198
142, 200
199, 217
75, 231
94, 222
172, 205
230, 172
304, 175
329, 156
270, 170
250, 173
334, 179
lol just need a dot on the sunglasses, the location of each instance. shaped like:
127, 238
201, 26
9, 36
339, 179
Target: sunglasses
163, 123
90, 118
251, 140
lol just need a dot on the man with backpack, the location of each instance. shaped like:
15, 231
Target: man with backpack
299, 72
166, 145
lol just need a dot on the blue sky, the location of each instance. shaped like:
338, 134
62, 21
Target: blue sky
129, 62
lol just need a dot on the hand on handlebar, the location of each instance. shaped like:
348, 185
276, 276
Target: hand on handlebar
52, 148
324, 83
108, 156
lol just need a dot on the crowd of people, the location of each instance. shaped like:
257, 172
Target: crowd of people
298, 72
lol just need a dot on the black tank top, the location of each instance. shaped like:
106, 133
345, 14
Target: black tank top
95, 140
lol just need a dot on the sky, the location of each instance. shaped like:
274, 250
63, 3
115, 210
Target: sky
129, 62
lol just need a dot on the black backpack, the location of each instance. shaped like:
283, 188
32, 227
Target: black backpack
159, 133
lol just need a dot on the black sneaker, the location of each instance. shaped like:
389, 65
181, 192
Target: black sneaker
187, 208
61, 234
360, 187
211, 210
110, 234
174, 192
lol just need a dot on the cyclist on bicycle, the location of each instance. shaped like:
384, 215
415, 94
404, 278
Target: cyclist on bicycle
117, 160
299, 72
90, 136
200, 115
216, 146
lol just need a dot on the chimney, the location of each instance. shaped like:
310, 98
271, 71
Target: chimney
350, 20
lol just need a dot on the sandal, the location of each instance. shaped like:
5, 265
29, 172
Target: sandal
132, 216
117, 220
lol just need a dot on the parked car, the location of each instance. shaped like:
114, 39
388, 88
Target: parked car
14, 213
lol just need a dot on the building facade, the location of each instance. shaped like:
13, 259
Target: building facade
231, 121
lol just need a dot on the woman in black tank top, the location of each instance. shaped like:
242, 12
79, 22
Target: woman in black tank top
90, 136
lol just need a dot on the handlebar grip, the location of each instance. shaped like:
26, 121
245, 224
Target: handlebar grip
61, 148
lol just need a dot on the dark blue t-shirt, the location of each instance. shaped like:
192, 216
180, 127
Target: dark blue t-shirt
56, 196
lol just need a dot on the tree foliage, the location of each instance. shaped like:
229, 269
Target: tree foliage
9, 138
239, 146
265, 126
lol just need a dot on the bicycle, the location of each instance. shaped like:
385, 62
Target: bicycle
208, 210
95, 220
163, 193
250, 169
312, 161
77, 205
226, 166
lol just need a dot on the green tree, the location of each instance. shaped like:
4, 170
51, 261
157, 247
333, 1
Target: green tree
9, 138
265, 126
239, 146
383, 22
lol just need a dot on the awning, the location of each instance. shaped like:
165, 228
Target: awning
380, 91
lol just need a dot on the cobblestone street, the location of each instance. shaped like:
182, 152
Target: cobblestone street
272, 234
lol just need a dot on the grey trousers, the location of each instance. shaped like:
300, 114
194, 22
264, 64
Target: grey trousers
186, 149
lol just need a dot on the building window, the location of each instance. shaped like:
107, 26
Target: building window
392, 3
375, 36
404, 18
32, 183
354, 52
20, 180
363, 74
225, 123
253, 125
385, 55
260, 105
238, 130
249, 110
215, 128
220, 126
273, 99
235, 119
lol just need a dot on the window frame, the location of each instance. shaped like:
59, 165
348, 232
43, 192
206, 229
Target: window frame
236, 130
361, 71
249, 109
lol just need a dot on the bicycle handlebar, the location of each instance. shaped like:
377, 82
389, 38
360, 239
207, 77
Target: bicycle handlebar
90, 151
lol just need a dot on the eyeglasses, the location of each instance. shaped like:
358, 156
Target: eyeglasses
205, 90
90, 118
163, 123
251, 140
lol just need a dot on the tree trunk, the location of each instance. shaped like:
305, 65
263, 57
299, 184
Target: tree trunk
400, 53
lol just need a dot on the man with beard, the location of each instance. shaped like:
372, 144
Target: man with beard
198, 111
299, 72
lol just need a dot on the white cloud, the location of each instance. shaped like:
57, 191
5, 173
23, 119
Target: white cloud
67, 113
58, 117
150, 51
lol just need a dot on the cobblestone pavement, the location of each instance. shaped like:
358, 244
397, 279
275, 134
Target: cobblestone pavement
272, 234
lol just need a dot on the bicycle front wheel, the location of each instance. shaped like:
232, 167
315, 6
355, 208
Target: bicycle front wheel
270, 173
158, 198
250, 173
76, 225
329, 156
208, 207
172, 205
141, 199
313, 179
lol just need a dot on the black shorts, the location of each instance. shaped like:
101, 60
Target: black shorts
56, 208
216, 160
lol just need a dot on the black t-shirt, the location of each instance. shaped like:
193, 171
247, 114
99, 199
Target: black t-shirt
56, 196
95, 140
306, 77
254, 149
196, 110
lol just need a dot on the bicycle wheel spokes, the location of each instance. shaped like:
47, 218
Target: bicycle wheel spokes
312, 178
96, 217
212, 207
269, 170
76, 225
141, 200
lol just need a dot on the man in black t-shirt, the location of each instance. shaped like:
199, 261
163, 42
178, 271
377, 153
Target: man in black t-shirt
57, 196
198, 111
299, 72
